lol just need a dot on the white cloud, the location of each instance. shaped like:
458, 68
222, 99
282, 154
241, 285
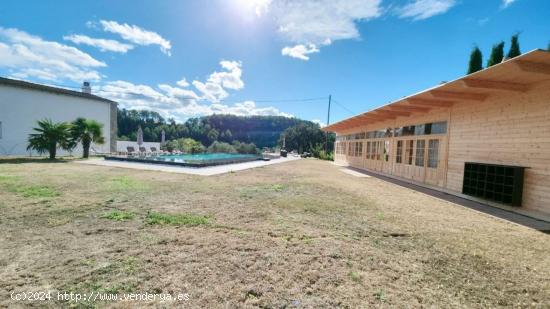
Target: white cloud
29, 56
507, 3
211, 91
322, 21
137, 35
231, 78
246, 108
319, 122
102, 44
179, 102
186, 96
174, 102
214, 87
183, 83
423, 9
312, 23
300, 51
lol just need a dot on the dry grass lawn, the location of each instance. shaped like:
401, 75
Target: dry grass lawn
300, 234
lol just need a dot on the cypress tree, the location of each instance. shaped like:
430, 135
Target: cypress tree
514, 47
548, 49
476, 60
497, 54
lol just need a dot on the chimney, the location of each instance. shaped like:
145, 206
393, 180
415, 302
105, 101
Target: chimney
86, 88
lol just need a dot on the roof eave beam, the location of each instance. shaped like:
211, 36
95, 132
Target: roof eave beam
495, 85
440, 94
392, 114
429, 102
409, 108
533, 67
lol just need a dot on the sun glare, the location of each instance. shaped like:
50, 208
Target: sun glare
258, 7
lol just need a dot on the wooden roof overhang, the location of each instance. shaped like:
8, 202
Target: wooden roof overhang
515, 75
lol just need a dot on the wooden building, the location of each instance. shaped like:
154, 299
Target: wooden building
485, 136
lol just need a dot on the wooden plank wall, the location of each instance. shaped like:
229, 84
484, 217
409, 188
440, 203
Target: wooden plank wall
508, 129
435, 115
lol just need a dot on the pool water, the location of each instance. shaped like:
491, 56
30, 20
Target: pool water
202, 157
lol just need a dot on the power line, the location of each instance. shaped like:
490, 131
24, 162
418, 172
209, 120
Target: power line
342, 106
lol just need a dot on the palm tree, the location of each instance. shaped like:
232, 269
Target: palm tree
86, 131
49, 137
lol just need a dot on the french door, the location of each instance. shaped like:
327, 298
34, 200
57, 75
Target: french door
421, 159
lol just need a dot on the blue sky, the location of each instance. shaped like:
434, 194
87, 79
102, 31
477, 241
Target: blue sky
191, 58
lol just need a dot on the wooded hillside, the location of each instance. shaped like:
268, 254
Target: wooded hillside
263, 131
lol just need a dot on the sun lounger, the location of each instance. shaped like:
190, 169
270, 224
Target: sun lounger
131, 151
143, 151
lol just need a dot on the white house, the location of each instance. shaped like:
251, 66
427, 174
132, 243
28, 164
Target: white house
22, 104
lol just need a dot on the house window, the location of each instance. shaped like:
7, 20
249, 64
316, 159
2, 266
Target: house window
433, 153
398, 154
420, 147
439, 128
409, 152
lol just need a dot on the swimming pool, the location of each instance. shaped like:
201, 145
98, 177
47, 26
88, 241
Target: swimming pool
193, 160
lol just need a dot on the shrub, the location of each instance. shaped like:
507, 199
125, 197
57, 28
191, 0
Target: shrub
221, 147
49, 137
245, 148
189, 145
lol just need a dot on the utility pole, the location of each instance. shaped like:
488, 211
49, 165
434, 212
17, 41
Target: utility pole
328, 122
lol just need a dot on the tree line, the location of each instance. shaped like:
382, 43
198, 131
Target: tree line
497, 54
226, 133
263, 131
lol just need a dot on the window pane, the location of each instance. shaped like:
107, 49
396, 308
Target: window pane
420, 147
408, 131
439, 128
409, 152
433, 153
398, 158
419, 130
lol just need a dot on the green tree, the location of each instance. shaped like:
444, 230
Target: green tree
221, 147
497, 54
305, 137
548, 48
189, 145
476, 61
514, 47
245, 148
170, 146
86, 131
212, 135
49, 136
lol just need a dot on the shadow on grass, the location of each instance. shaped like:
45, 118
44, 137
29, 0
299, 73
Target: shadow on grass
537, 224
32, 160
